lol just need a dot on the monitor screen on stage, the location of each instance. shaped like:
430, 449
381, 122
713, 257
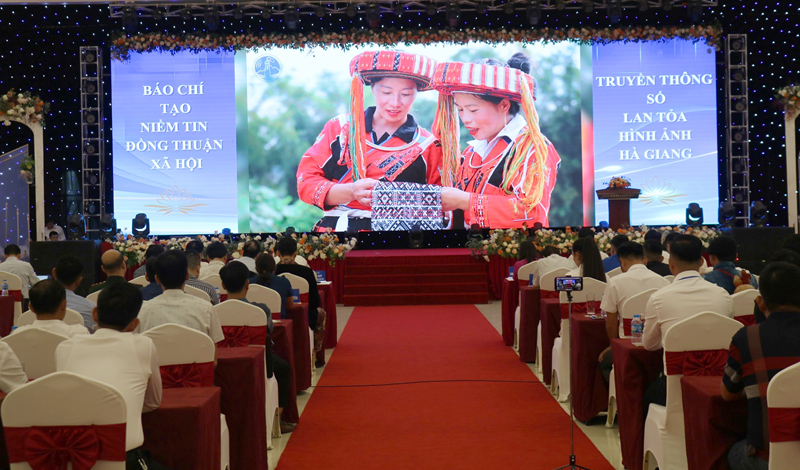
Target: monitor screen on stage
253, 141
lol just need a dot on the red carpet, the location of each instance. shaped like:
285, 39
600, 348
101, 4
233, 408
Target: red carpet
441, 425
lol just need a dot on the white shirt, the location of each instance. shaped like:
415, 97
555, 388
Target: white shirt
689, 294
125, 361
577, 272
545, 265
625, 285
11, 373
249, 262
46, 232
55, 326
213, 267
23, 270
511, 130
83, 306
176, 306
665, 254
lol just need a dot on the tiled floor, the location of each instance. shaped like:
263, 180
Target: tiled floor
606, 440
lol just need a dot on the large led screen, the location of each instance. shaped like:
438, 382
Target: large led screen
213, 140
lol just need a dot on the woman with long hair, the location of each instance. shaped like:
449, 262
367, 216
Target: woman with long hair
506, 175
382, 143
586, 255
527, 254
265, 267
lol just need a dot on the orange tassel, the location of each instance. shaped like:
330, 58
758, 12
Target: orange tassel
357, 134
445, 128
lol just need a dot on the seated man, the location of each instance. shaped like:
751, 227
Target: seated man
759, 352
234, 280
151, 290
50, 227
53, 237
250, 251
634, 279
113, 264
689, 294
22, 269
68, 272
193, 265
551, 259
612, 262
152, 252
174, 305
655, 258
11, 373
217, 254
115, 356
722, 254
49, 303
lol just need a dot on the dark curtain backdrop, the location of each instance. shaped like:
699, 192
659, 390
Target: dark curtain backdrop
39, 52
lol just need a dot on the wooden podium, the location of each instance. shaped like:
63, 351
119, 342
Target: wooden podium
619, 205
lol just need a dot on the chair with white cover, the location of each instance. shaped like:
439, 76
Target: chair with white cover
635, 305
614, 272
215, 281
695, 346
93, 296
523, 275
186, 359
36, 350
670, 278
200, 294
246, 325
743, 306
561, 355
782, 397
140, 281
71, 318
14, 290
265, 295
32, 408
301, 285
547, 285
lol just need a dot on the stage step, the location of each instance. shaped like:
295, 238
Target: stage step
386, 279
416, 299
455, 288
391, 269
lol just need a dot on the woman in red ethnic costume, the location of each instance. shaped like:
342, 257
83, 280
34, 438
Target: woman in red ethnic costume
382, 143
506, 175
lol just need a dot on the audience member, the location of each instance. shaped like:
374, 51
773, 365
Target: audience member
152, 252
193, 260
234, 278
49, 303
527, 254
68, 272
113, 264
13, 264
634, 279
668, 239
655, 258
265, 265
195, 245
174, 305
53, 236
689, 294
250, 250
786, 255
759, 352
551, 260
126, 361
153, 289
722, 253
587, 256
612, 262
217, 254
50, 227
11, 373
792, 242
587, 232
286, 249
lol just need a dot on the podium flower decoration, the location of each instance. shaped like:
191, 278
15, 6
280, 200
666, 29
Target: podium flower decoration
788, 99
23, 107
618, 182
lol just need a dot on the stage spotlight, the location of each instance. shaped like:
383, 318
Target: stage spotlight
667, 5
588, 6
129, 19
737, 44
398, 9
644, 5
320, 11
186, 14
291, 16
415, 237
158, 15
695, 10
758, 213
475, 232
90, 117
211, 17
431, 9
738, 75
615, 11
452, 14
266, 13
373, 15
238, 13
534, 12
560, 4
739, 105
89, 57
740, 135
140, 226
76, 227
89, 86
508, 8
93, 178
537, 226
694, 215
350, 11
481, 9
90, 148
727, 212
108, 225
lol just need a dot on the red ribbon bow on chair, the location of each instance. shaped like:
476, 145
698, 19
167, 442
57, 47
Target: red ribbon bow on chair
784, 424
709, 363
53, 447
235, 337
187, 375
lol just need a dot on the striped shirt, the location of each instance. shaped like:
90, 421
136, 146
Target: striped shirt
205, 287
757, 353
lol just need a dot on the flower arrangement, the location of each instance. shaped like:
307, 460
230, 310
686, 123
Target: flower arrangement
325, 246
562, 240
501, 242
123, 45
26, 167
132, 249
23, 107
619, 182
788, 98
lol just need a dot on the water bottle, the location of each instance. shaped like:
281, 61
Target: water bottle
637, 329
5, 288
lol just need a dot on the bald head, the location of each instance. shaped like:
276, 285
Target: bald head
113, 263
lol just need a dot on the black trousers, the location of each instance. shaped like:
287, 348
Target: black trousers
656, 393
283, 374
140, 459
605, 366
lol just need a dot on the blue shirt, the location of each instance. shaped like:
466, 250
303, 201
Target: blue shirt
151, 291
723, 275
282, 286
83, 306
612, 262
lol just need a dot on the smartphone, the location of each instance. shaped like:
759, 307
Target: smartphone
569, 284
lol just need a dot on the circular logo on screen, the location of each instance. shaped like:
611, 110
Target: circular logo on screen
267, 68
